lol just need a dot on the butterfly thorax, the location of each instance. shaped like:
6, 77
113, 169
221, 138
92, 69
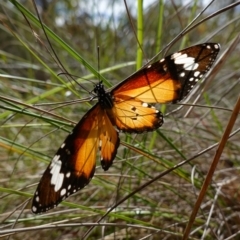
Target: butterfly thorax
104, 98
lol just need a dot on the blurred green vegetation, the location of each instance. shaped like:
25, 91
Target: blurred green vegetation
31, 134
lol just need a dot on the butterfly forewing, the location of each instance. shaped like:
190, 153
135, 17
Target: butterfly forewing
127, 107
170, 79
73, 166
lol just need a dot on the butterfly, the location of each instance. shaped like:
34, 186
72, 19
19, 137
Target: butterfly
126, 108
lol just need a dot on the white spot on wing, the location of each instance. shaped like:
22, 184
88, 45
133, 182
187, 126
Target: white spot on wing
63, 145
187, 62
184, 59
190, 67
63, 192
57, 177
68, 174
144, 104
176, 55
196, 74
34, 209
182, 74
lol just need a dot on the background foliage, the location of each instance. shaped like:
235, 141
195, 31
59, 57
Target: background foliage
35, 118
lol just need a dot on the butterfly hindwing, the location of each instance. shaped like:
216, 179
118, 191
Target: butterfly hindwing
135, 116
108, 140
73, 165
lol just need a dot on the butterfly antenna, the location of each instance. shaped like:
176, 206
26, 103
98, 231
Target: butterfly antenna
98, 70
98, 67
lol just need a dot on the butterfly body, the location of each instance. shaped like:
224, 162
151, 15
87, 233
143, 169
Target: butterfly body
104, 99
126, 108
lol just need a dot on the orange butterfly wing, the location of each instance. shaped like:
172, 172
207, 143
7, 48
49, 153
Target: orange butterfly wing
73, 166
168, 80
134, 116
